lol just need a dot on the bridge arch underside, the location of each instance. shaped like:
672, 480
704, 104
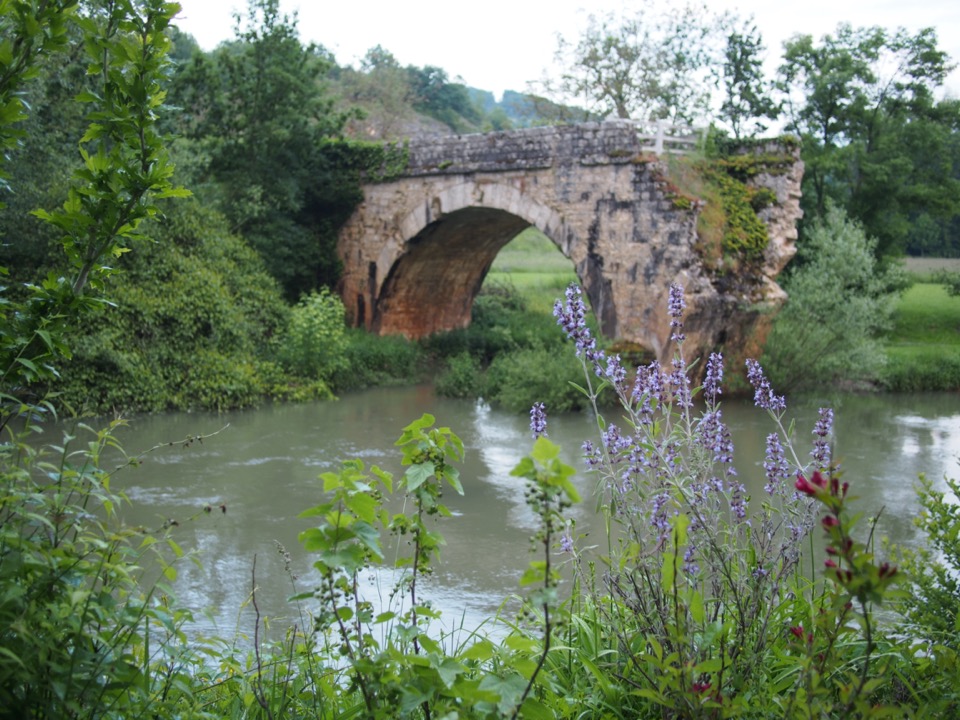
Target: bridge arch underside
432, 285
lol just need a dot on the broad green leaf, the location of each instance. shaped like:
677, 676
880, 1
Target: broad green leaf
417, 475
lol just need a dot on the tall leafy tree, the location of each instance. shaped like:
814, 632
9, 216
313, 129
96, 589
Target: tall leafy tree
647, 65
258, 111
747, 93
876, 139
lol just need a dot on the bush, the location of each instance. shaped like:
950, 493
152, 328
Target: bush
461, 379
921, 369
371, 360
194, 322
517, 380
839, 302
314, 345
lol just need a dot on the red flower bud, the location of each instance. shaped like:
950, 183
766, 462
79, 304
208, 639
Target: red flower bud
810, 487
829, 521
830, 563
797, 631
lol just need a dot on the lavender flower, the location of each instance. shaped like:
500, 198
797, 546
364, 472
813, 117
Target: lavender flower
615, 372
714, 436
763, 396
658, 515
713, 377
821, 446
538, 420
680, 382
571, 316
675, 307
647, 388
590, 454
775, 465
566, 542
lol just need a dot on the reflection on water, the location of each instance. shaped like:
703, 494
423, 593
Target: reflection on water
263, 468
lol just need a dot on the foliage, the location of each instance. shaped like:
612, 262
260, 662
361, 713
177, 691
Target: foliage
876, 142
537, 374
462, 378
373, 360
29, 34
396, 666
950, 281
839, 302
81, 637
932, 609
256, 112
646, 65
747, 99
314, 344
729, 231
436, 96
125, 171
929, 368
194, 323
930, 612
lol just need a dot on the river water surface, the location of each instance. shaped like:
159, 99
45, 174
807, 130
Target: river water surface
263, 469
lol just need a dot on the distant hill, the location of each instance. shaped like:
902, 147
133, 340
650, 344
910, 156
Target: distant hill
397, 102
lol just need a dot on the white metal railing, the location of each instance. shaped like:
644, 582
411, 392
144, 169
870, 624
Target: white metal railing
663, 137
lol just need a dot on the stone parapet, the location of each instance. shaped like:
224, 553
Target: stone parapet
606, 142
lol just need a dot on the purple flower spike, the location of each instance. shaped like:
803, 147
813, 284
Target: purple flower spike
775, 466
763, 396
538, 420
821, 446
713, 377
675, 307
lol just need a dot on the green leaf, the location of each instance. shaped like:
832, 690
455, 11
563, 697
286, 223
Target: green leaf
418, 474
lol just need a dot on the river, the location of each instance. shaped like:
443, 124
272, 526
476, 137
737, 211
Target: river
262, 467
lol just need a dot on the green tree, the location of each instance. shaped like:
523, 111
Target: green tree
436, 96
876, 141
747, 100
257, 110
839, 302
645, 66
124, 170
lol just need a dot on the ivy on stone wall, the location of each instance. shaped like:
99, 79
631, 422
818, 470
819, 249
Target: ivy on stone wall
745, 235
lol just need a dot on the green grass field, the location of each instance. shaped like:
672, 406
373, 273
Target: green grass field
535, 267
923, 347
926, 315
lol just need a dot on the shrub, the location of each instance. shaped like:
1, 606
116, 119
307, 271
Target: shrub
314, 345
839, 302
196, 296
461, 379
517, 380
371, 360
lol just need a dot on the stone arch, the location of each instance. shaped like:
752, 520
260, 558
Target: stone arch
447, 245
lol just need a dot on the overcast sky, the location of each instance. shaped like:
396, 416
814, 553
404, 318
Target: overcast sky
501, 45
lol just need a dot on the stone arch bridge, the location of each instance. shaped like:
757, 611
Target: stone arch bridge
417, 249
